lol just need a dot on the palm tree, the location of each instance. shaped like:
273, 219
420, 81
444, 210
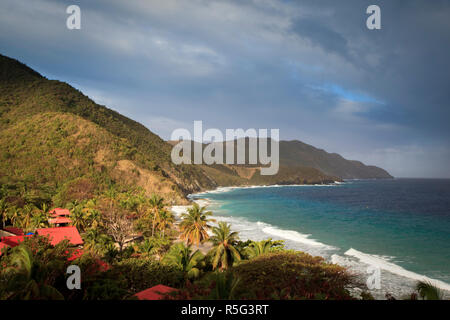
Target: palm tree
44, 208
95, 241
4, 211
224, 251
27, 213
78, 218
146, 248
39, 220
182, 256
91, 213
225, 286
194, 226
156, 205
13, 215
257, 248
27, 278
165, 220
427, 291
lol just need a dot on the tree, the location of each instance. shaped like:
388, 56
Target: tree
27, 213
31, 270
39, 219
427, 291
156, 205
96, 241
165, 221
225, 286
78, 218
257, 248
146, 248
3, 211
194, 226
117, 225
184, 258
224, 251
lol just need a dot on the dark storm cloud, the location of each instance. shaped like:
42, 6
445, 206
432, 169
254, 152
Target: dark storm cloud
310, 68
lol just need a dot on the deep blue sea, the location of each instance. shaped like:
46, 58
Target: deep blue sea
400, 225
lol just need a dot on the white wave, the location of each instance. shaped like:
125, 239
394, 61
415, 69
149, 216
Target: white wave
293, 236
393, 268
202, 202
227, 189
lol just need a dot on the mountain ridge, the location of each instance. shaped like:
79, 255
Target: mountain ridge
56, 140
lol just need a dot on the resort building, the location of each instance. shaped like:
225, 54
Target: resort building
60, 217
56, 235
154, 293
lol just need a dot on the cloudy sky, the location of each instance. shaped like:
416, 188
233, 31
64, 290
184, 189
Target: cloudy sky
310, 68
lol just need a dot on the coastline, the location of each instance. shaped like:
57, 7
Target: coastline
400, 282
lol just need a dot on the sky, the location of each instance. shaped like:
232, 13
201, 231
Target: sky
311, 69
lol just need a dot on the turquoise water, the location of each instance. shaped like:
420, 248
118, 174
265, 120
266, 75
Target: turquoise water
404, 222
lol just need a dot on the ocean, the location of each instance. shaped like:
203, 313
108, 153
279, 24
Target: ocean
401, 226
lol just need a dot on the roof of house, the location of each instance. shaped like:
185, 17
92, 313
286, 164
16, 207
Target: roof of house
2, 247
154, 293
56, 235
59, 220
14, 240
60, 212
14, 230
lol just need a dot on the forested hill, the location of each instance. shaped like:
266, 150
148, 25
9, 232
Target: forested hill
297, 153
57, 146
53, 139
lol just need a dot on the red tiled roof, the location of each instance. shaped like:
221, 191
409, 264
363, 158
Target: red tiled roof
59, 220
3, 246
14, 230
57, 212
154, 293
56, 235
14, 240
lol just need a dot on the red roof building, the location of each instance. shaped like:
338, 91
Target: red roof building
56, 235
154, 293
14, 240
14, 230
59, 220
58, 212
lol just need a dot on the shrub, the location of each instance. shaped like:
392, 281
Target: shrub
141, 274
292, 275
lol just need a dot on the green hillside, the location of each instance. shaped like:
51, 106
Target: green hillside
297, 153
52, 135
57, 146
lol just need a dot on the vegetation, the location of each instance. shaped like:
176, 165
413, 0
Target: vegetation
427, 291
59, 148
257, 248
33, 270
187, 260
224, 251
195, 225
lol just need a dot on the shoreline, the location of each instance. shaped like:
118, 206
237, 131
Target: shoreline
356, 261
